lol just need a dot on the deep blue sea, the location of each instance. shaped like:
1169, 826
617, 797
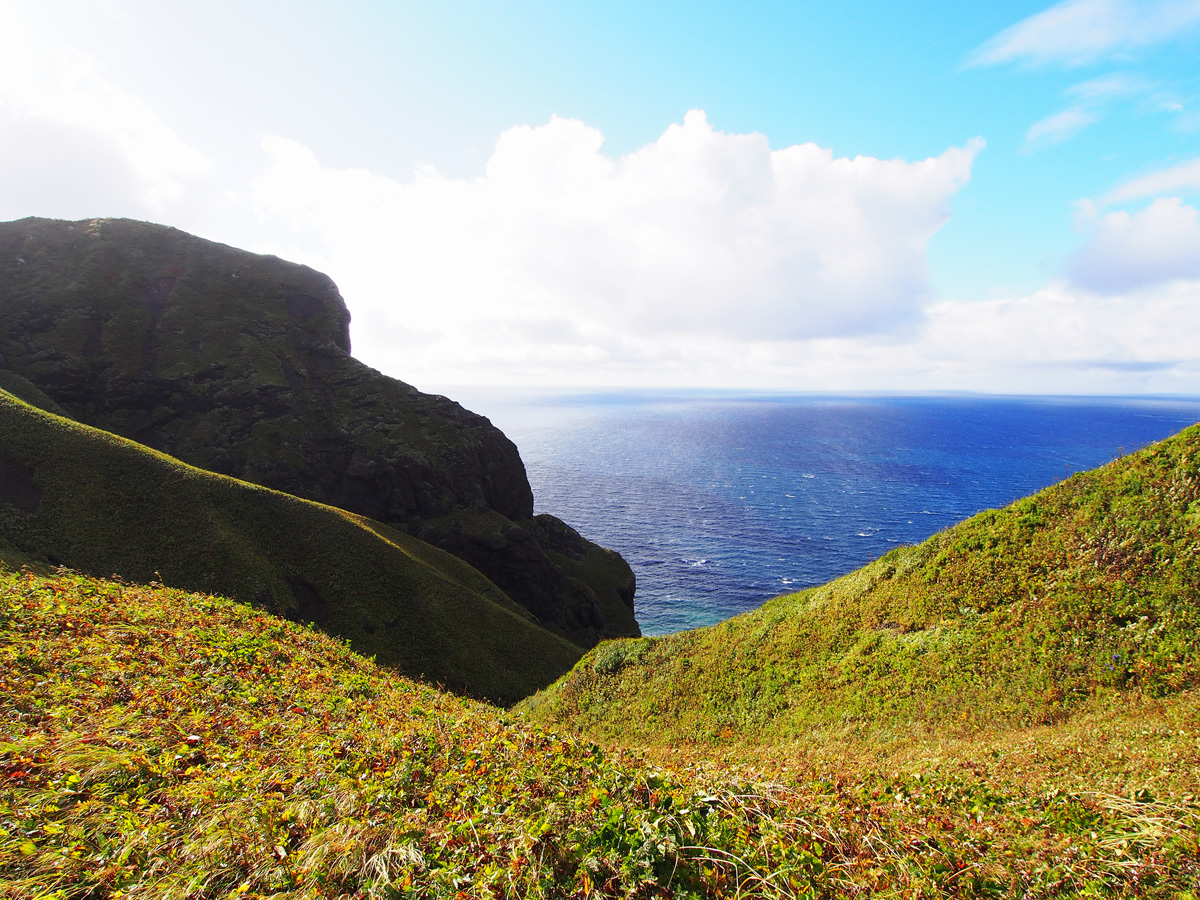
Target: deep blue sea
721, 501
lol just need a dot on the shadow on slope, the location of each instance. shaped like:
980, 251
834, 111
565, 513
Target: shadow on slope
84, 498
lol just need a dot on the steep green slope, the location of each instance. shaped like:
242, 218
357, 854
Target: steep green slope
156, 744
240, 364
92, 501
1016, 616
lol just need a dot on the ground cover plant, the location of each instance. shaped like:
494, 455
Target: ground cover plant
156, 743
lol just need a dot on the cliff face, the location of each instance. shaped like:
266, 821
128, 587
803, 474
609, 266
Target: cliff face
240, 364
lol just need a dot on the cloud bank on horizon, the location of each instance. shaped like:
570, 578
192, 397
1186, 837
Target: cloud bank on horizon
703, 257
700, 235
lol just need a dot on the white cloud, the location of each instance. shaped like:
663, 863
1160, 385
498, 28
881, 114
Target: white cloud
700, 235
1109, 87
76, 145
1184, 176
1158, 244
562, 266
1080, 31
59, 170
1068, 328
1091, 101
1057, 128
706, 259
1059, 340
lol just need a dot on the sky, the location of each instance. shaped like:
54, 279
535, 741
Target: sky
804, 196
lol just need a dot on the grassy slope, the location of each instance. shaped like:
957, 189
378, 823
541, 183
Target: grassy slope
160, 744
1014, 617
104, 504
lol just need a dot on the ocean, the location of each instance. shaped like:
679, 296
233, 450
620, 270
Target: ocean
720, 501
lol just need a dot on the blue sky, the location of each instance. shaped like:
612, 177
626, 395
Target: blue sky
809, 196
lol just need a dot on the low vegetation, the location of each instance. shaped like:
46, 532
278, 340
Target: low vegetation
163, 744
99, 503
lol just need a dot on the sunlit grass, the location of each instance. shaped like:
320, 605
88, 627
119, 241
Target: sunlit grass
164, 744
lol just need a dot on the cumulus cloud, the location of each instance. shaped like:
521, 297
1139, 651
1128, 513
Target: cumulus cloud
1062, 339
701, 234
1075, 32
708, 259
60, 170
1067, 328
1158, 244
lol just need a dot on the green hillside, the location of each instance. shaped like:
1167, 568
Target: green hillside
159, 744
84, 498
1016, 617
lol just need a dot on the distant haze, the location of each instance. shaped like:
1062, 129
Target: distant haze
827, 196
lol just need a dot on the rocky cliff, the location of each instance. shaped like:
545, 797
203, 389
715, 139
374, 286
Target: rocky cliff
240, 364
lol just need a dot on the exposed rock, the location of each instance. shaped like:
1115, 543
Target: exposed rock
240, 364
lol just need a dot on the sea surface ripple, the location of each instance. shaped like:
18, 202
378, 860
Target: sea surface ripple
720, 501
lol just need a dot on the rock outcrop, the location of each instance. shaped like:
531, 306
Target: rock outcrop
240, 364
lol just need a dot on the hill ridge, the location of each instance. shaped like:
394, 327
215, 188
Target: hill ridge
102, 503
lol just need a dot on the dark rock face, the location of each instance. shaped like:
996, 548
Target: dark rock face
240, 364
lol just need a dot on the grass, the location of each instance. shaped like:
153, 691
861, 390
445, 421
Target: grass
164, 744
1015, 618
85, 498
